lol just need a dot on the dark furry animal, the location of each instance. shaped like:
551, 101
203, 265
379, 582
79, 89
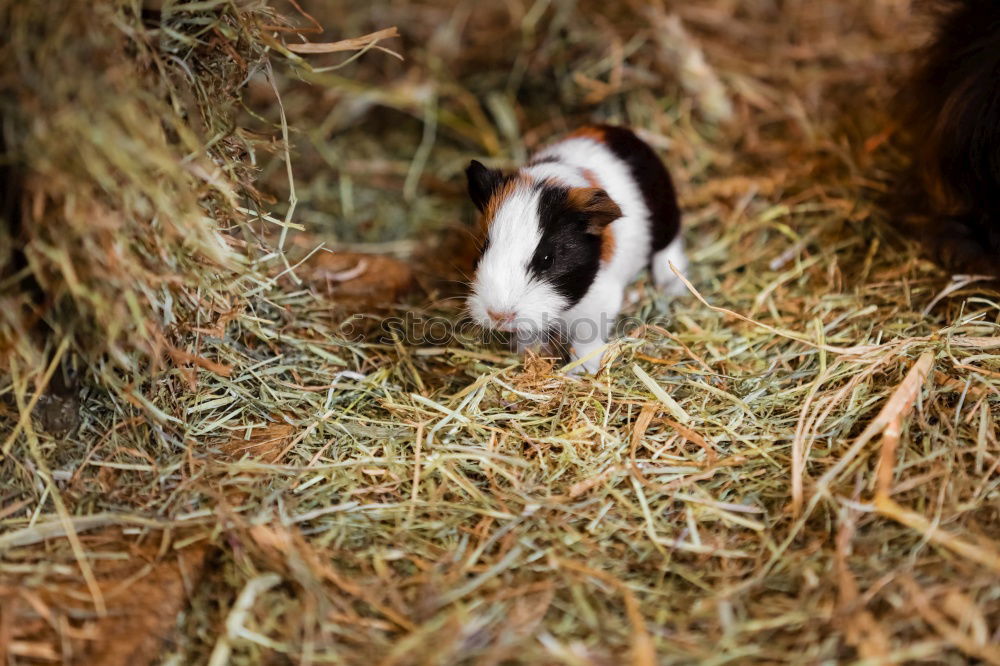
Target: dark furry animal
951, 110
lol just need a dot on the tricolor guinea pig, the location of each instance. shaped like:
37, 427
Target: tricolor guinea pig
565, 235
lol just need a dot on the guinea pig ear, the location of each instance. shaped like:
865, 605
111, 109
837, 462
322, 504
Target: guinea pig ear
483, 182
596, 205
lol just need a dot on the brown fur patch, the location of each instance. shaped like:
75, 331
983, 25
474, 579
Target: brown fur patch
594, 201
607, 235
501, 195
607, 244
588, 132
498, 198
602, 210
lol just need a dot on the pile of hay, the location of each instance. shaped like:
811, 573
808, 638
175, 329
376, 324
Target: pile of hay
797, 462
124, 167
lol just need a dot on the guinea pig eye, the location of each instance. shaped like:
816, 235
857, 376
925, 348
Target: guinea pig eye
543, 259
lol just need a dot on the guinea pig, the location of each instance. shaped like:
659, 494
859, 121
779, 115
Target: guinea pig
565, 235
951, 106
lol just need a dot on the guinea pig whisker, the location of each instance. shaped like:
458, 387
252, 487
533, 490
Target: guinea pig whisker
445, 299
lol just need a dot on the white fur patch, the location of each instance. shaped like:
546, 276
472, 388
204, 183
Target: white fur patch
665, 278
566, 174
503, 281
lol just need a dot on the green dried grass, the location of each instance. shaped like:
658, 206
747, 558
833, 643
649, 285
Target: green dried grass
448, 504
121, 137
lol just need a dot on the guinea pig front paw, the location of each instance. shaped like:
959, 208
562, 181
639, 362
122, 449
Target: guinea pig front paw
591, 365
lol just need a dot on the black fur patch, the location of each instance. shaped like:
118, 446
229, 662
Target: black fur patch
654, 182
483, 183
542, 160
568, 256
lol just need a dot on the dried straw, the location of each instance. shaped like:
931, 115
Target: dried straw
797, 462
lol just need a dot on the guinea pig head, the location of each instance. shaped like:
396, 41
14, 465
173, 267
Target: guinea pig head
542, 248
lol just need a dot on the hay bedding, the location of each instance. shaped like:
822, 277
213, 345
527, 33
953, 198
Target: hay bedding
798, 465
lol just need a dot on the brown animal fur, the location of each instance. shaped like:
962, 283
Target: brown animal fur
602, 211
501, 195
607, 235
588, 132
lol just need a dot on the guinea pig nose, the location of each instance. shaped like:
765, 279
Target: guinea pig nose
500, 317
